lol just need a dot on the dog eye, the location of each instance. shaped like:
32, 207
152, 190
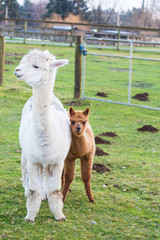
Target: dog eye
73, 122
83, 123
35, 66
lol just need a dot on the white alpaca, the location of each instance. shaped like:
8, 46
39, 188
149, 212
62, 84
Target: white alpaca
44, 133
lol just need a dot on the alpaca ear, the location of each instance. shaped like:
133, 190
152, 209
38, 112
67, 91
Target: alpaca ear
59, 63
86, 112
71, 111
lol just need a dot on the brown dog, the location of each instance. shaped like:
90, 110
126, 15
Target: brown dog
83, 147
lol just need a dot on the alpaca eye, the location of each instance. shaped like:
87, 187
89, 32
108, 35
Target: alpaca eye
35, 66
83, 123
73, 122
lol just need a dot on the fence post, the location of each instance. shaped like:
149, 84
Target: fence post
130, 72
1, 59
25, 30
71, 43
118, 37
78, 68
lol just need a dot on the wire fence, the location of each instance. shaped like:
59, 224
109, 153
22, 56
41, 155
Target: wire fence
124, 77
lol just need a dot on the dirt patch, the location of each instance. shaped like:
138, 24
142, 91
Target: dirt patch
119, 69
17, 58
141, 84
141, 96
59, 55
109, 134
9, 62
148, 128
99, 140
116, 185
6, 70
15, 54
100, 168
100, 152
12, 89
101, 94
74, 103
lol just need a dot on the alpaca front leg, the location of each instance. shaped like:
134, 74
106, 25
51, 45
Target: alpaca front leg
68, 175
53, 178
34, 193
86, 168
44, 190
24, 173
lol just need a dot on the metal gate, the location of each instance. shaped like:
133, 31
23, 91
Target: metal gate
121, 71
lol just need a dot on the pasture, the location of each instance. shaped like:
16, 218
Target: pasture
121, 78
127, 197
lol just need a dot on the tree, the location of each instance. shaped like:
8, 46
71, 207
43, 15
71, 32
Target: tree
79, 7
62, 7
102, 11
31, 10
10, 6
26, 10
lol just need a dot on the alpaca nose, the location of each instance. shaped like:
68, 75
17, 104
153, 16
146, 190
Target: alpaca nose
78, 128
16, 70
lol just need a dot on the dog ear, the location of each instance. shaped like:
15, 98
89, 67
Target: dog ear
71, 111
86, 112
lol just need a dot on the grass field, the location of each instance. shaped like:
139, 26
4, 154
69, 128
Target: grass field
127, 199
111, 75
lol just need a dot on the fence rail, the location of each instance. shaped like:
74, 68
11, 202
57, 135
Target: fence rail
122, 79
8, 25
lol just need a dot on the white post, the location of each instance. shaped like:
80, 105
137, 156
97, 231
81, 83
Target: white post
83, 73
6, 12
130, 72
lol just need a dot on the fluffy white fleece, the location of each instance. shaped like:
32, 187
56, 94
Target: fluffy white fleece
44, 133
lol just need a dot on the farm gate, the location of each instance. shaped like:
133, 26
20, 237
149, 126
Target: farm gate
121, 71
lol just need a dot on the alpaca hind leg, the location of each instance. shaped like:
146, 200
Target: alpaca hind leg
86, 168
34, 193
53, 179
69, 166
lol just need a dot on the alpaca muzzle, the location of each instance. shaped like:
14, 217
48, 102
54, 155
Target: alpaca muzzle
78, 128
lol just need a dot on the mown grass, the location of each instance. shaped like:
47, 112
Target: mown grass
127, 202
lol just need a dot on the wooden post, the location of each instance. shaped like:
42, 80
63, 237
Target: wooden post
25, 30
118, 37
78, 69
1, 60
71, 43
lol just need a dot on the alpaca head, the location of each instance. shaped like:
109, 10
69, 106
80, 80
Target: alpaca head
78, 120
38, 68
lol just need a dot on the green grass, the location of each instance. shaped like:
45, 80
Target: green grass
127, 208
111, 75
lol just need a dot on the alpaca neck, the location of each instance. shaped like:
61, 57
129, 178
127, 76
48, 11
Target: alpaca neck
42, 95
42, 99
